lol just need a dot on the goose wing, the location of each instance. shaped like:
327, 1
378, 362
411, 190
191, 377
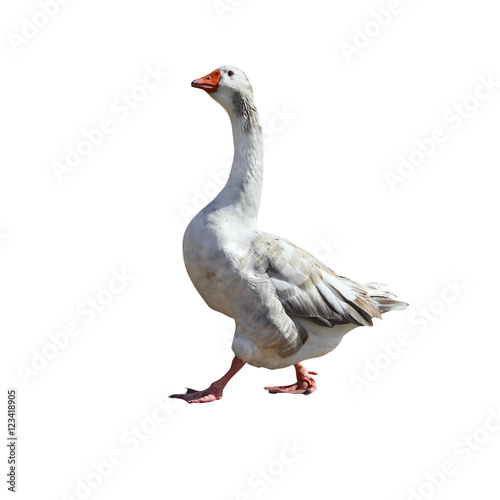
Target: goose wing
308, 289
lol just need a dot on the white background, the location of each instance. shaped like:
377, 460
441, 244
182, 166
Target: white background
126, 205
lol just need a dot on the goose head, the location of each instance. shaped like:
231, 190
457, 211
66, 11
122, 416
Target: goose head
230, 87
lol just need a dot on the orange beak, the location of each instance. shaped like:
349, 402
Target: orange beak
209, 83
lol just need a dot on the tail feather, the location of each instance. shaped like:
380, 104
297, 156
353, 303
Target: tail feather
384, 301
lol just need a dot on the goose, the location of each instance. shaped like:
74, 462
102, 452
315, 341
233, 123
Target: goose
287, 305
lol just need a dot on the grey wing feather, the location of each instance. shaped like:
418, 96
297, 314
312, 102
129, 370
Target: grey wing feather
307, 288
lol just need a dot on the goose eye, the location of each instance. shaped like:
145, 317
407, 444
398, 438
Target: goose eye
230, 73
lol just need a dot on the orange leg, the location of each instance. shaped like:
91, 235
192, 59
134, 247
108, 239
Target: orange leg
214, 392
305, 383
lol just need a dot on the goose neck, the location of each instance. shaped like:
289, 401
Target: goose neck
244, 186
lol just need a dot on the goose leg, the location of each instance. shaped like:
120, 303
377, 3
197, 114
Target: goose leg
305, 383
214, 392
